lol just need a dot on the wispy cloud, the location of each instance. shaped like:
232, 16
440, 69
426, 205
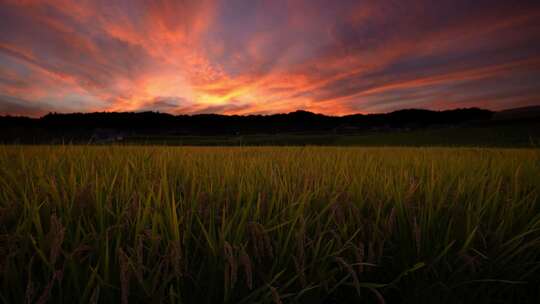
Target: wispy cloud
240, 57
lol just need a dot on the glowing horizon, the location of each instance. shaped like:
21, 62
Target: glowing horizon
264, 57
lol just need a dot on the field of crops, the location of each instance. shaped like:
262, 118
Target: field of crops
268, 225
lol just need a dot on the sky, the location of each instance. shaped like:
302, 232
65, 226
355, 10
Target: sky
335, 57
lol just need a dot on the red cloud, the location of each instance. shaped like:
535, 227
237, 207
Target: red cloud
250, 57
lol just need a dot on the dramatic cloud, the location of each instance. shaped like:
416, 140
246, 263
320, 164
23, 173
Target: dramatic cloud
267, 56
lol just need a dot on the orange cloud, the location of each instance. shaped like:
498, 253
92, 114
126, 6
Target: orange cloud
240, 57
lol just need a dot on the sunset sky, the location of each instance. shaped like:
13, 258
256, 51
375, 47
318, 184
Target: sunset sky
243, 57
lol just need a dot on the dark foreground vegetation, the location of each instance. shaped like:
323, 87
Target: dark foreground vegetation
462, 127
515, 134
269, 225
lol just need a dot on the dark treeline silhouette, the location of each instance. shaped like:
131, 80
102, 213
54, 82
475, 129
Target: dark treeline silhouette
104, 125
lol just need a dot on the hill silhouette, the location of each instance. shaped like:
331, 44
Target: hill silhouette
85, 126
295, 128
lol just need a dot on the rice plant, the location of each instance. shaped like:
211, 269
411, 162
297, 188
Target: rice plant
134, 224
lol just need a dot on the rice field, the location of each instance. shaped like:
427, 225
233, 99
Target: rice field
128, 224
